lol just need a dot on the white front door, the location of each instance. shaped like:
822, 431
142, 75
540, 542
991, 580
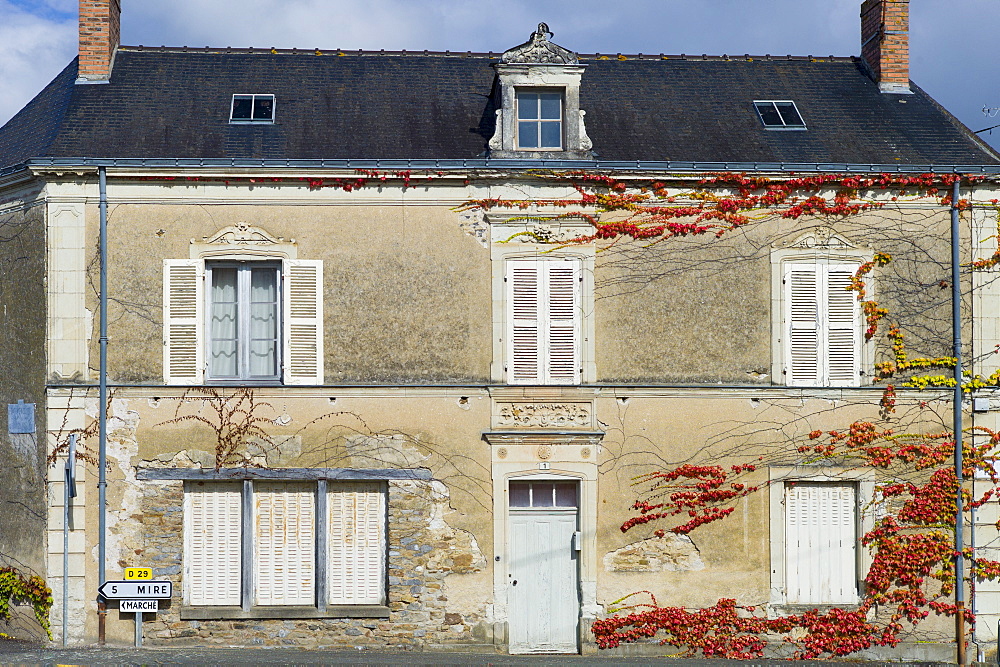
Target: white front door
543, 586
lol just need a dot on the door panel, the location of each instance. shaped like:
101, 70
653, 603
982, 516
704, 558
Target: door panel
544, 603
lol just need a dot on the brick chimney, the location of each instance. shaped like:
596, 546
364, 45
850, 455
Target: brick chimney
885, 43
100, 35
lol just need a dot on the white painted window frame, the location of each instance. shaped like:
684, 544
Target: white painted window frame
253, 104
301, 358
864, 483
830, 250
537, 120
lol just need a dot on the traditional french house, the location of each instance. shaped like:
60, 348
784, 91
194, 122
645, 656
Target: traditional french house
383, 359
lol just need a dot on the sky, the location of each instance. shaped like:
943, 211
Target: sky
953, 51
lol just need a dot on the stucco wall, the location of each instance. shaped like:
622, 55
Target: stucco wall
22, 377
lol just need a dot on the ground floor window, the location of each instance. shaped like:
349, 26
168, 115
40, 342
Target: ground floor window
821, 535
262, 543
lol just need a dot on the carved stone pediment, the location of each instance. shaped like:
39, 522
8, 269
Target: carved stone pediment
242, 234
243, 240
822, 238
539, 50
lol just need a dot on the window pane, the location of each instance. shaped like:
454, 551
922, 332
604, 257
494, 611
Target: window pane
769, 114
527, 106
263, 322
551, 105
520, 494
789, 114
542, 494
263, 107
527, 134
551, 134
566, 495
223, 361
242, 106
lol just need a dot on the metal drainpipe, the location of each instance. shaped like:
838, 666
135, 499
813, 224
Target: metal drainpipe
102, 484
956, 326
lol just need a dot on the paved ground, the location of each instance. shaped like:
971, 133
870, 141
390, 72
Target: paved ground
22, 653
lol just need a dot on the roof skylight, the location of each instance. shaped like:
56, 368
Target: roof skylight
252, 109
779, 115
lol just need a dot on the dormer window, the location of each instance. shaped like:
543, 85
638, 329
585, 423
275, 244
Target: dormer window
539, 115
539, 120
779, 115
252, 109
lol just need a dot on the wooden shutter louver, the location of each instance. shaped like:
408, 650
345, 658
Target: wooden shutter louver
843, 335
213, 544
563, 322
820, 543
284, 543
183, 349
303, 334
523, 284
802, 347
356, 564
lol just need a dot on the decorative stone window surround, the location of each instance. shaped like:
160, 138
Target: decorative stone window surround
778, 476
818, 245
514, 235
540, 65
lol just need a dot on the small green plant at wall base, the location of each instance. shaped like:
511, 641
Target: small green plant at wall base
15, 588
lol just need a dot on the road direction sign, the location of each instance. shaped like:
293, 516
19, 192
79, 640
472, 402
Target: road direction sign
139, 605
138, 573
136, 590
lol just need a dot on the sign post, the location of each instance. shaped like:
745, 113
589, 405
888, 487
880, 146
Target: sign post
138, 594
69, 491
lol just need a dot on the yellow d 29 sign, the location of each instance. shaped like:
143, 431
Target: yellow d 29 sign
138, 573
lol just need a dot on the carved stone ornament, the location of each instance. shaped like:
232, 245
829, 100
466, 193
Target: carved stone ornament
821, 237
544, 415
544, 452
502, 453
242, 234
539, 50
585, 452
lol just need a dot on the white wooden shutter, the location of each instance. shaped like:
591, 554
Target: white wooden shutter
820, 543
843, 327
802, 360
544, 321
183, 321
356, 563
524, 341
563, 326
303, 322
284, 543
212, 543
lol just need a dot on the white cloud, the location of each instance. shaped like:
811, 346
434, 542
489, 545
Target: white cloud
32, 51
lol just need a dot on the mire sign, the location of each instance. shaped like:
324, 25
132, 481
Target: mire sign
136, 590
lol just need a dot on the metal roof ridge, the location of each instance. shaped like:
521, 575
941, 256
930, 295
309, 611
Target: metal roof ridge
516, 164
270, 50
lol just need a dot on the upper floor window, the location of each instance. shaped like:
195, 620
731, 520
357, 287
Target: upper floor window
779, 115
544, 321
252, 109
539, 119
822, 325
243, 321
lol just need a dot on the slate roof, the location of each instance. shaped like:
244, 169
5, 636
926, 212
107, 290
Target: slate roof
174, 103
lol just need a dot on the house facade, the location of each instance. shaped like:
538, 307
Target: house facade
375, 381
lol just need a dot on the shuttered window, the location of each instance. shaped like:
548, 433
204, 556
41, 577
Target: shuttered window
284, 543
282, 560
243, 322
212, 541
820, 543
822, 345
544, 321
357, 544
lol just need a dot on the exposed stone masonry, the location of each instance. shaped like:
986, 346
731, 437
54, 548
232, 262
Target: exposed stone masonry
423, 551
